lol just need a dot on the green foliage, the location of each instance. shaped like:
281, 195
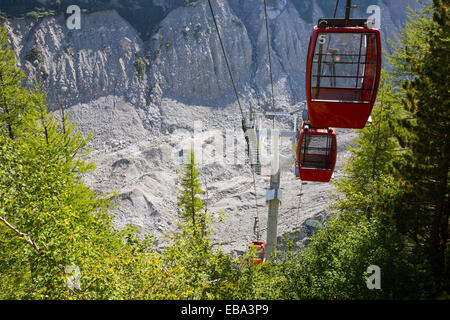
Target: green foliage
140, 66
189, 202
43, 198
2, 16
335, 264
40, 13
158, 48
168, 44
44, 74
34, 55
185, 33
238, 22
198, 32
192, 3
411, 45
423, 131
14, 98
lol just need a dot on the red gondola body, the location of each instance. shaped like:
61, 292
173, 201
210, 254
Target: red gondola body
342, 77
260, 247
316, 156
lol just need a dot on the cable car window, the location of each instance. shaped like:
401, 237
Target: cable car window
344, 67
315, 151
260, 254
259, 247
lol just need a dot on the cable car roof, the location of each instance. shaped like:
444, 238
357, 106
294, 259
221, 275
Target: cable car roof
342, 23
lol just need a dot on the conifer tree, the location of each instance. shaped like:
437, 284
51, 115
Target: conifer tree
191, 253
368, 170
190, 203
422, 209
16, 107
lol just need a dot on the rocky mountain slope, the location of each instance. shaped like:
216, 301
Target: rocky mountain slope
142, 97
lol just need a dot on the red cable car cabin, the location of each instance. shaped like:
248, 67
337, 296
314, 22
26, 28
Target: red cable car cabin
260, 247
316, 153
342, 75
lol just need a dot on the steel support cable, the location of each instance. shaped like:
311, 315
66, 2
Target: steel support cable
326, 54
238, 101
335, 9
226, 59
256, 229
268, 51
299, 204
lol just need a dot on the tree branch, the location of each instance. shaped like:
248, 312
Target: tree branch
22, 235
31, 242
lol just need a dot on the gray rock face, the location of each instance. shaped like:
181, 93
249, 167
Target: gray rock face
81, 65
188, 56
143, 101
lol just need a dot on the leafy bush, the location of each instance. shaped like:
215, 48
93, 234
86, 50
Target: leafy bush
334, 265
192, 3
185, 33
34, 54
197, 32
158, 48
140, 67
